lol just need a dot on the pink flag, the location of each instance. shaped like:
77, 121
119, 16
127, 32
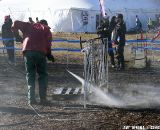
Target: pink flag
102, 8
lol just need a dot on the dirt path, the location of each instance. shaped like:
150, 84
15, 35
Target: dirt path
67, 113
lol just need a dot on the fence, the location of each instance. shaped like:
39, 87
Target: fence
95, 64
152, 48
78, 41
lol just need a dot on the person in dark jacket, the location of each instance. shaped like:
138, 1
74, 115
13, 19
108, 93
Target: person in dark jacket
36, 46
104, 31
37, 20
138, 25
8, 38
112, 23
31, 20
119, 39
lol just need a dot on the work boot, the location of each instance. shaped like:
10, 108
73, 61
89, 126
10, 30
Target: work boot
112, 60
32, 102
44, 102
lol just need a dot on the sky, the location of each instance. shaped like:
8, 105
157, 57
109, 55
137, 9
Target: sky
22, 9
40, 4
65, 4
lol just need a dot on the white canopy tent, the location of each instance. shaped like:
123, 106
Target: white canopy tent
78, 15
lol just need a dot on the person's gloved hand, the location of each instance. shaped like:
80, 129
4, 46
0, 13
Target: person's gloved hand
115, 42
19, 39
50, 57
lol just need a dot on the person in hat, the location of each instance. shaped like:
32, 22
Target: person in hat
30, 20
36, 47
8, 38
138, 25
37, 20
119, 40
105, 33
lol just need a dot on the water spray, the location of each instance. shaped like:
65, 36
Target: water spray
104, 98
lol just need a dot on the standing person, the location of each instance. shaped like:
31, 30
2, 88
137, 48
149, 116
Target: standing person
157, 21
104, 31
37, 20
158, 25
112, 23
31, 20
150, 24
138, 25
7, 35
119, 40
36, 46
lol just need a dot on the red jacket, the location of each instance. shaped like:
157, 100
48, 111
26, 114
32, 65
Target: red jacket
36, 37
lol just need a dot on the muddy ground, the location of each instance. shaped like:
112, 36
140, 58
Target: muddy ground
67, 112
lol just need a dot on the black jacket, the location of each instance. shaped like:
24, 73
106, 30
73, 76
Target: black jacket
6, 30
104, 31
119, 33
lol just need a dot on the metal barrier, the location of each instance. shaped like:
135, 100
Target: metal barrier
139, 53
95, 64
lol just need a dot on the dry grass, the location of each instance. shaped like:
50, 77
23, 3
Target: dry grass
68, 57
76, 57
74, 36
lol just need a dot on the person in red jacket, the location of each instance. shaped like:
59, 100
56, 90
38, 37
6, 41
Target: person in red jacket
36, 46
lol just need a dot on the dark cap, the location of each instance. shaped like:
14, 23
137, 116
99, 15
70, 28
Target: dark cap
120, 16
7, 17
44, 22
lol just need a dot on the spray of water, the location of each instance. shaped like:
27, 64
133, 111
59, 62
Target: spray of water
140, 96
100, 96
130, 96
